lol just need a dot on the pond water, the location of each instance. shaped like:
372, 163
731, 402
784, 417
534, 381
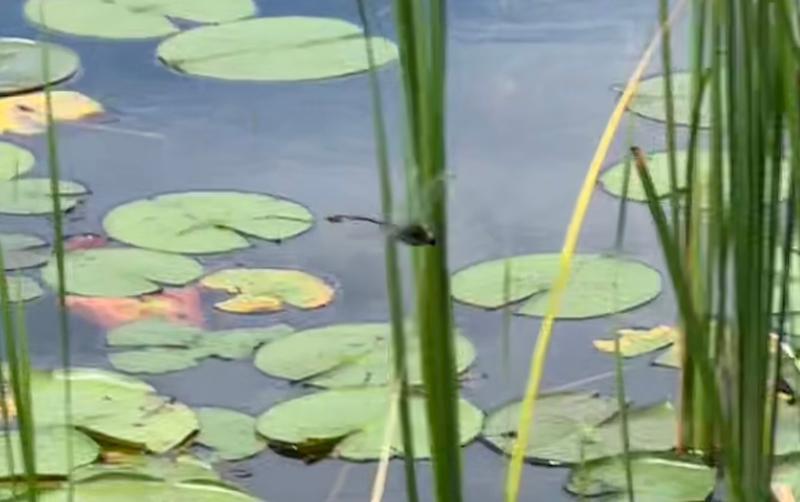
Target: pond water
529, 93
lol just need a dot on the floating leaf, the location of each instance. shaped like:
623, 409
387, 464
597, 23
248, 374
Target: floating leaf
154, 332
599, 285
131, 19
122, 271
635, 342
14, 161
267, 289
153, 360
670, 358
654, 480
51, 448
23, 289
650, 103
231, 434
23, 251
274, 49
206, 222
180, 468
21, 65
353, 421
32, 196
344, 355
239, 343
27, 113
133, 488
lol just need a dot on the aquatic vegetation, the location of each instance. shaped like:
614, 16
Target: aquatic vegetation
131, 19
14, 161
259, 290
636, 342
288, 48
231, 435
600, 285
52, 459
22, 288
132, 488
346, 355
23, 250
33, 196
172, 468
349, 423
28, 114
206, 222
21, 65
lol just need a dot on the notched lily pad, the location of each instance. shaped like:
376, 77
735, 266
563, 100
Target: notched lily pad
21, 65
344, 355
274, 49
350, 423
635, 342
230, 434
27, 113
650, 103
14, 161
206, 222
599, 285
33, 196
122, 271
267, 289
131, 19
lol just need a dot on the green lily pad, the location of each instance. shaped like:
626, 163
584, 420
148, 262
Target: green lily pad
131, 19
599, 285
231, 434
22, 288
51, 449
32, 196
156, 360
122, 272
133, 488
206, 222
650, 103
113, 408
240, 343
274, 49
654, 480
635, 342
344, 355
180, 468
352, 423
154, 333
23, 250
21, 65
14, 160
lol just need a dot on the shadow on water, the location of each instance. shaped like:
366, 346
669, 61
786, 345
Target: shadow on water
529, 94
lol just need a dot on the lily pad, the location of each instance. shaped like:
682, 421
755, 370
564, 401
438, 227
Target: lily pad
22, 288
352, 422
23, 251
274, 49
180, 468
654, 479
113, 408
27, 113
670, 358
32, 196
344, 355
599, 285
131, 19
133, 488
122, 271
240, 343
635, 342
231, 434
154, 333
650, 103
51, 449
153, 360
21, 65
267, 289
206, 222
14, 161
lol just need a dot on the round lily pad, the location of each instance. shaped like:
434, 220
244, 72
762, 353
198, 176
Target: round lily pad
27, 113
350, 423
32, 196
599, 285
23, 250
122, 271
635, 342
14, 161
135, 488
654, 479
155, 360
274, 49
231, 434
650, 103
131, 19
267, 289
344, 355
21, 65
22, 288
206, 222
153, 333
51, 450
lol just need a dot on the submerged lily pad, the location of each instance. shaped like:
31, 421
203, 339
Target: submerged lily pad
27, 113
131, 19
23, 250
635, 342
599, 285
22, 288
51, 449
350, 423
21, 65
206, 222
650, 103
134, 488
231, 434
654, 480
32, 196
344, 355
14, 161
122, 271
274, 49
267, 289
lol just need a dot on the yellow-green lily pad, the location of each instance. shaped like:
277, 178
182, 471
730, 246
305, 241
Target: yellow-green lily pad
230, 434
635, 342
14, 161
52, 447
134, 488
32, 196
